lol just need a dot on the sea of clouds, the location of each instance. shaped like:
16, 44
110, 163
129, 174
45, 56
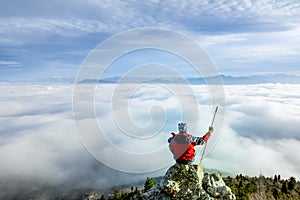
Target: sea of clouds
40, 149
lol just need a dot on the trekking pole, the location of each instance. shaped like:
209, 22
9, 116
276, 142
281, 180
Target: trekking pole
207, 141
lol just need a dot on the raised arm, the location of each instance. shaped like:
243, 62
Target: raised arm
201, 140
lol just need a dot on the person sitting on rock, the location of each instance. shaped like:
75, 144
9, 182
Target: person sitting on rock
182, 144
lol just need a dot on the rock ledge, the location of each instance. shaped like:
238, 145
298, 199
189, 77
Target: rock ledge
190, 183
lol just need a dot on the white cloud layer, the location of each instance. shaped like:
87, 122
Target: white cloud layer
39, 145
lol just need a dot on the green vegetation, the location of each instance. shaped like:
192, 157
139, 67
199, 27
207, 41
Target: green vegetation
248, 188
244, 187
148, 184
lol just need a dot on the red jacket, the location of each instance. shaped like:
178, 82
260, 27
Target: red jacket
182, 146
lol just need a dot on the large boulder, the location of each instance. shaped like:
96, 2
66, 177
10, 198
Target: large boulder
188, 182
183, 180
215, 187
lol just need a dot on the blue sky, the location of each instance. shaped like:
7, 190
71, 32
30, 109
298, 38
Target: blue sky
50, 39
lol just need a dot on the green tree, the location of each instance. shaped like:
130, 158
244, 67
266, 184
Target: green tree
229, 181
136, 191
148, 184
117, 194
284, 187
275, 193
275, 178
251, 187
292, 183
102, 197
242, 193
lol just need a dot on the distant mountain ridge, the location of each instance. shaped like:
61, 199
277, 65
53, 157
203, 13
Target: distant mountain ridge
227, 80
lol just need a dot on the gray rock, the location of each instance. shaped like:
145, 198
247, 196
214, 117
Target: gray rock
187, 182
93, 195
214, 185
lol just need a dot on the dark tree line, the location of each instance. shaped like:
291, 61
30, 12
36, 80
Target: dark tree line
245, 187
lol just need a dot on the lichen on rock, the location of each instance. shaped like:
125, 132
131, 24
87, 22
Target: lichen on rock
182, 180
190, 183
214, 185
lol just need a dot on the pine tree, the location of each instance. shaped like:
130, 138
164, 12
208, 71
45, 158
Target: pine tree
251, 187
275, 178
284, 187
148, 184
117, 194
136, 191
292, 183
275, 193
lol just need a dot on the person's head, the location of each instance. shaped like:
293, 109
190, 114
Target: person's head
182, 127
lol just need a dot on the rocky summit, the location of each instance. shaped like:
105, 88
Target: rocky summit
190, 183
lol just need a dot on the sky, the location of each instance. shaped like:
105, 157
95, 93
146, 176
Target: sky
50, 40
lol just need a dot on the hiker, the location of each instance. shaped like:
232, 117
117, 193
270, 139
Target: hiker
182, 144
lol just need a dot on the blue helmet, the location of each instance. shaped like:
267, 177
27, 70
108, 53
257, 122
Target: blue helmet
182, 127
